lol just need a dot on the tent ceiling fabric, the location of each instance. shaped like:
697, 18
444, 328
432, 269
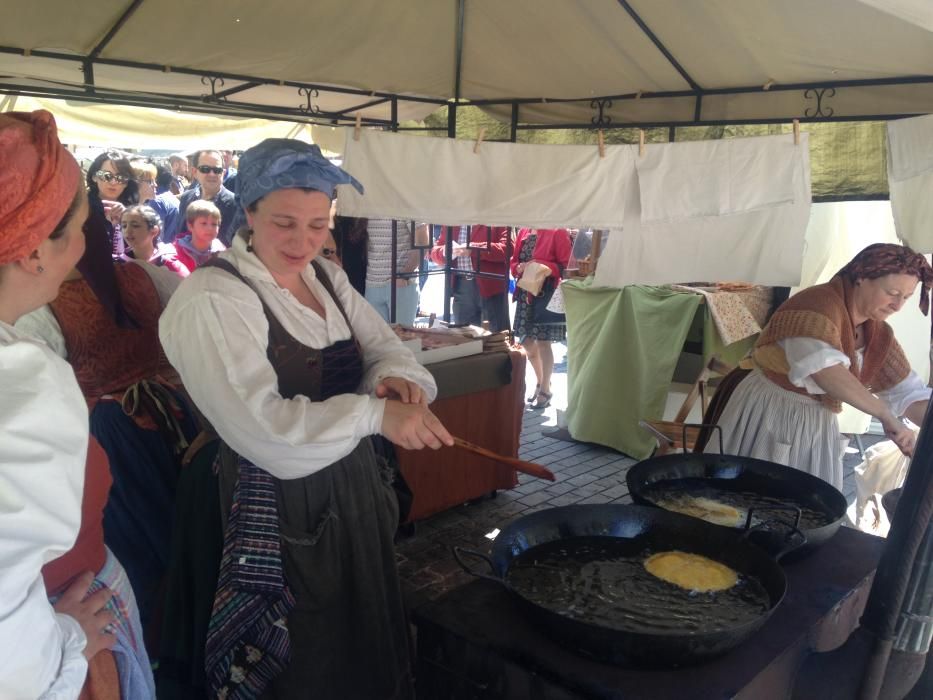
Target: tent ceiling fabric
512, 50
84, 124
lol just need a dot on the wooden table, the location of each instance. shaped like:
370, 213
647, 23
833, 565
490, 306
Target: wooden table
481, 399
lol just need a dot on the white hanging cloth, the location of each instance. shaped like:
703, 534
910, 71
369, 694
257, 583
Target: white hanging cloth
910, 180
732, 210
444, 181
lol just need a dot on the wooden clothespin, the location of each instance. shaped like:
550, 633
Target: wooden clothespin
796, 132
358, 127
479, 139
641, 143
767, 85
602, 143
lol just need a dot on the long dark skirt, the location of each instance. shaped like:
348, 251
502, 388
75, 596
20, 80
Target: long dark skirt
348, 630
140, 508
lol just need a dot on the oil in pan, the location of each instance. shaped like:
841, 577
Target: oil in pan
603, 581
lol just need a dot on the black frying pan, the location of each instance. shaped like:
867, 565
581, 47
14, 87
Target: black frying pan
650, 529
753, 475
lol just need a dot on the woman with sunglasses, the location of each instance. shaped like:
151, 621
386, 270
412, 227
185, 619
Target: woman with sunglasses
112, 188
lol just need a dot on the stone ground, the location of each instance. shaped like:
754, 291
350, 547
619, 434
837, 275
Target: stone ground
585, 474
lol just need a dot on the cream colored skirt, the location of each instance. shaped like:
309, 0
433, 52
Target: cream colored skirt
764, 421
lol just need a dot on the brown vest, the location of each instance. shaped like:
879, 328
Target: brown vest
823, 312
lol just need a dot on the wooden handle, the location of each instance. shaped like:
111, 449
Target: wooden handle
519, 465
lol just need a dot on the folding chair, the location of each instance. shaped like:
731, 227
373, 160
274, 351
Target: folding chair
670, 434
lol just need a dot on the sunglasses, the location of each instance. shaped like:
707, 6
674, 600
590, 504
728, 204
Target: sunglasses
109, 177
205, 169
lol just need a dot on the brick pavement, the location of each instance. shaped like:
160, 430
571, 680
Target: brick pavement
585, 474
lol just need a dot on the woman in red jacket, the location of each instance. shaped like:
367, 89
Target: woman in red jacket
550, 247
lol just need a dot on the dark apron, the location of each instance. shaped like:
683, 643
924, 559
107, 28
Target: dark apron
348, 630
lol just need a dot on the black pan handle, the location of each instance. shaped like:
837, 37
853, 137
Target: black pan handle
713, 426
794, 509
458, 553
791, 546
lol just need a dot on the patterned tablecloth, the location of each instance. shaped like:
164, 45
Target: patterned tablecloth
738, 313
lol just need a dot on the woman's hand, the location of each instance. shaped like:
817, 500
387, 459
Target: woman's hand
520, 269
896, 430
401, 390
90, 612
113, 211
414, 427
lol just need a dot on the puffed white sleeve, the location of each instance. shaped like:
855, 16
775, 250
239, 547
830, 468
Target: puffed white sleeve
43, 443
73, 669
164, 280
41, 324
384, 355
52, 665
807, 356
217, 342
910, 390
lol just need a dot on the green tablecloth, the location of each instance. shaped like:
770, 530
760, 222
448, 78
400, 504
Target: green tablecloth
622, 348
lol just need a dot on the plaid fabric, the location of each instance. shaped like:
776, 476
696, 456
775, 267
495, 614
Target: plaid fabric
464, 262
129, 653
247, 638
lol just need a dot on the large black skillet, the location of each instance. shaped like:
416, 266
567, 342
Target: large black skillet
655, 530
750, 475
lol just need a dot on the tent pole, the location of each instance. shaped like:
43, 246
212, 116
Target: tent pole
88, 63
661, 47
461, 7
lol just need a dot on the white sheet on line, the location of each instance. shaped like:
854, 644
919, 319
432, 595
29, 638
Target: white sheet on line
910, 180
679, 181
761, 246
505, 184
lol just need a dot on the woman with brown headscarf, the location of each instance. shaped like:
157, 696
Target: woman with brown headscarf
828, 345
44, 651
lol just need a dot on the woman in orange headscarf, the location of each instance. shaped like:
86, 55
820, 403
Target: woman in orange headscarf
43, 422
828, 345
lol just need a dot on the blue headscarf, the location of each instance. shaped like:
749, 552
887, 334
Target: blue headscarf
278, 164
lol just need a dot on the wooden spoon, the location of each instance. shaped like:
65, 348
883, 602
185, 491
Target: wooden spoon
519, 465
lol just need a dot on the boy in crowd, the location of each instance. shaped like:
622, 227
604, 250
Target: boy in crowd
200, 242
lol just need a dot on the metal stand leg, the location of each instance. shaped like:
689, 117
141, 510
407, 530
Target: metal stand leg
861, 447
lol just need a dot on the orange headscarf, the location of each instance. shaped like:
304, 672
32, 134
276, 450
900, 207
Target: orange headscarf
38, 182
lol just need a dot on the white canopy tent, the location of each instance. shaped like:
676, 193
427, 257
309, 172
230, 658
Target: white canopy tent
103, 125
585, 62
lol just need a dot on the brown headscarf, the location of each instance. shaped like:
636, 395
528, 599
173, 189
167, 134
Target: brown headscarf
38, 182
880, 259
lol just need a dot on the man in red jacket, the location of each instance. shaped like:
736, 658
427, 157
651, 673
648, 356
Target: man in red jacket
477, 249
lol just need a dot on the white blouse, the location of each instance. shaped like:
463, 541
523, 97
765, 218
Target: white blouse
43, 446
215, 334
806, 356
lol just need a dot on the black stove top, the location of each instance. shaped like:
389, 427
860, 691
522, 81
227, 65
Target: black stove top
474, 642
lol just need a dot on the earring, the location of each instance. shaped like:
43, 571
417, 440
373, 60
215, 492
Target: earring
249, 242
40, 269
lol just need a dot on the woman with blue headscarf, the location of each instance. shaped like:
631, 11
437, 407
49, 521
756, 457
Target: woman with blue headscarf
295, 371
